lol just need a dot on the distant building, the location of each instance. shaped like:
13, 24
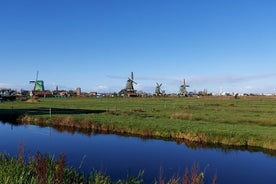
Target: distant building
78, 91
93, 93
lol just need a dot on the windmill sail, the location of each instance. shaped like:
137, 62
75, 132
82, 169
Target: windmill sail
158, 88
38, 84
129, 86
183, 91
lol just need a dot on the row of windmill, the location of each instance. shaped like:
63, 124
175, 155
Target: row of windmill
129, 90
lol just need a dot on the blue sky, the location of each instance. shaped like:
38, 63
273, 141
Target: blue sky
218, 45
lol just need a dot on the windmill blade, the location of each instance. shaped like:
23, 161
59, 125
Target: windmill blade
132, 80
158, 85
36, 75
131, 76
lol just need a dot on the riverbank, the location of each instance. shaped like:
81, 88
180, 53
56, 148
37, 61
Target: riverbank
247, 121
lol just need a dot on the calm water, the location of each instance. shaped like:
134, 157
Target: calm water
120, 156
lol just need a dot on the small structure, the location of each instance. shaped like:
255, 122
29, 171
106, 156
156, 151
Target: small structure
7, 95
60, 93
78, 91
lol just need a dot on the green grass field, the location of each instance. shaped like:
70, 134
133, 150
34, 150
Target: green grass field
247, 121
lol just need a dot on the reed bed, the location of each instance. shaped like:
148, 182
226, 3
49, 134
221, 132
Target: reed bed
45, 169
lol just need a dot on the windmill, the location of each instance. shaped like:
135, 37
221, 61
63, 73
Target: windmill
129, 86
183, 91
38, 84
158, 89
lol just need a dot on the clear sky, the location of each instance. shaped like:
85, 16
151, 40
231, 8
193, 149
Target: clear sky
218, 45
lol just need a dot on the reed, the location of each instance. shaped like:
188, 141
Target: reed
45, 169
190, 176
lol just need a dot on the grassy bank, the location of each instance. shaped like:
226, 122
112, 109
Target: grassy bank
247, 121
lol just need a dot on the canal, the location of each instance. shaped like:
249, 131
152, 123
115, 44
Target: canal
121, 156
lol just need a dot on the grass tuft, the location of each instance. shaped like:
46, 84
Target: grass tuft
183, 116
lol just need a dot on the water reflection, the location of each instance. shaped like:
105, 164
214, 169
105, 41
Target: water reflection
193, 145
11, 116
119, 156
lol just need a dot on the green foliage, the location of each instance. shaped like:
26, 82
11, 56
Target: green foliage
44, 169
98, 177
133, 179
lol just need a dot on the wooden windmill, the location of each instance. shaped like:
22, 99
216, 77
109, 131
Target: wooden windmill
158, 89
183, 91
129, 86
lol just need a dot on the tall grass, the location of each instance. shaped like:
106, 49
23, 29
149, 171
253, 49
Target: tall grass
192, 176
45, 169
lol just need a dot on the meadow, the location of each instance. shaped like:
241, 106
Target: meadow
246, 121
